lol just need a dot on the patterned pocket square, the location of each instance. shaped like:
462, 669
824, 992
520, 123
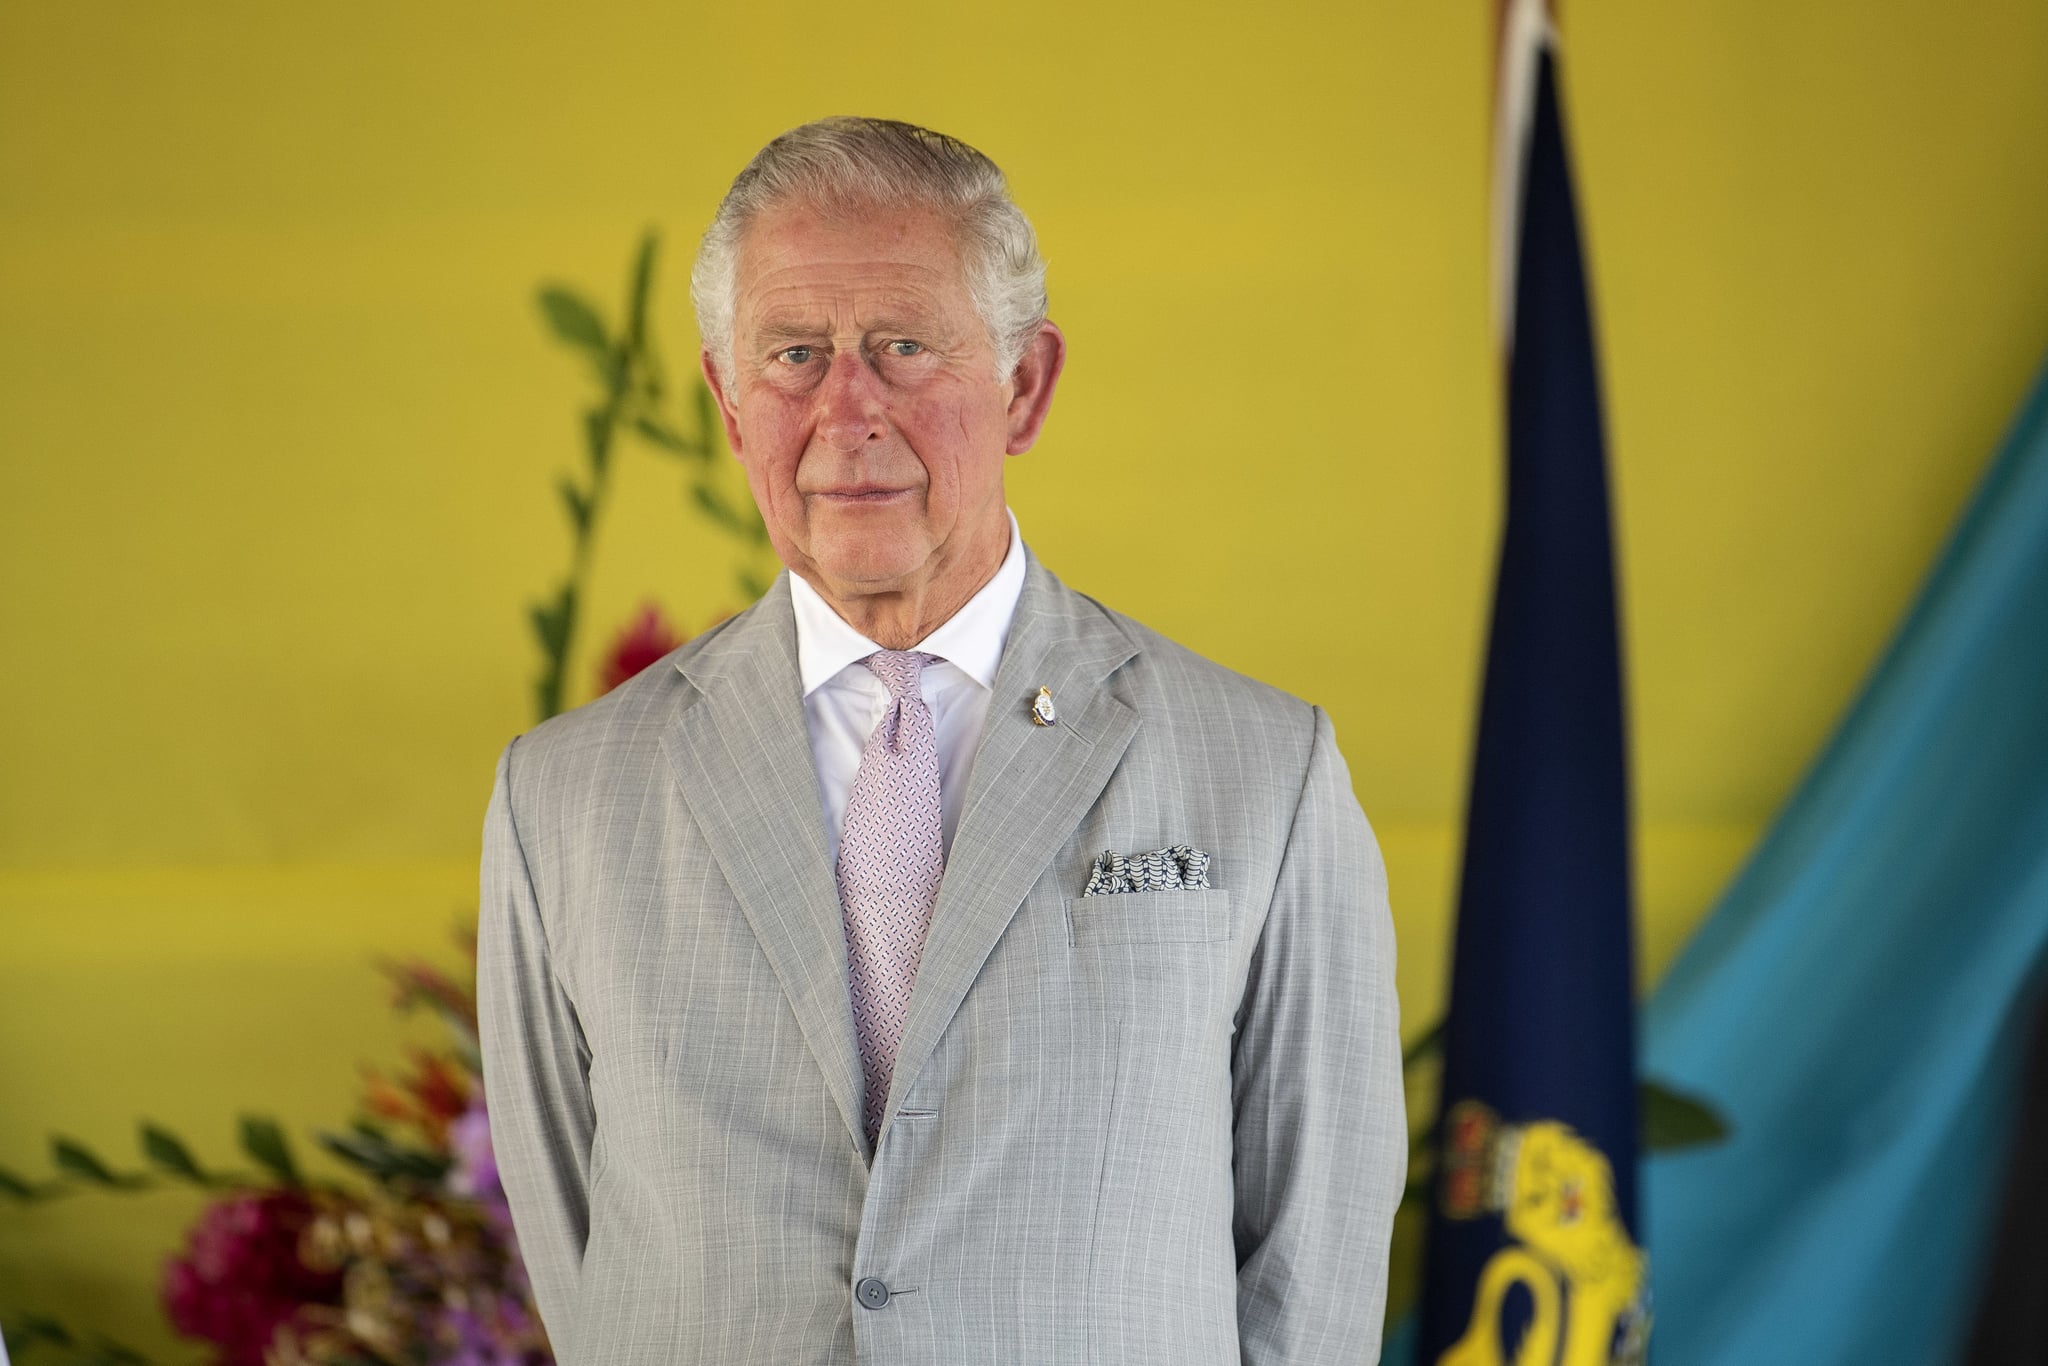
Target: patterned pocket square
1179, 867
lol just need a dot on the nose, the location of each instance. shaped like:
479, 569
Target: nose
850, 408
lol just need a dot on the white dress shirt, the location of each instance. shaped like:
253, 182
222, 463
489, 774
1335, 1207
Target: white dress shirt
843, 701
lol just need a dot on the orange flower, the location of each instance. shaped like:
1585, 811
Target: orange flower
432, 1097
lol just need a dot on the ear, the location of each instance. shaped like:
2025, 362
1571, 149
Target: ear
728, 411
1031, 386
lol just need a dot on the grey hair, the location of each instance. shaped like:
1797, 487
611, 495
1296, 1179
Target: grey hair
843, 162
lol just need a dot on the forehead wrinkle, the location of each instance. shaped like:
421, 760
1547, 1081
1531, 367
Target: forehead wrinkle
892, 318
796, 284
827, 277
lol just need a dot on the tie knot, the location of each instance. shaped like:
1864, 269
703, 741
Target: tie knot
899, 671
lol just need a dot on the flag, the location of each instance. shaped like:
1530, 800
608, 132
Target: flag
1533, 1243
1860, 998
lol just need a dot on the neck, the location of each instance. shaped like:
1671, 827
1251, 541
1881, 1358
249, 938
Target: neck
901, 615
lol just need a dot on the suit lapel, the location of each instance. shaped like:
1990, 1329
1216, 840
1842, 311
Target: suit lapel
1030, 787
740, 749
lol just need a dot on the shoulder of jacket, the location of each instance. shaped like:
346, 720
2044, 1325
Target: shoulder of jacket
1173, 667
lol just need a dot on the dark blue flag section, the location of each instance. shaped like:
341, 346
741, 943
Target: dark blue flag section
1533, 1240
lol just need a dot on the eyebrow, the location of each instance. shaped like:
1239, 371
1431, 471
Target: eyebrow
778, 334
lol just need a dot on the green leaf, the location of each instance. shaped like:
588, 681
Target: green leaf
752, 585
1428, 1045
34, 1328
15, 1187
597, 438
1674, 1121
169, 1152
713, 505
574, 320
653, 385
555, 624
552, 621
107, 1352
642, 285
668, 439
578, 504
547, 626
369, 1151
547, 693
265, 1143
74, 1159
710, 430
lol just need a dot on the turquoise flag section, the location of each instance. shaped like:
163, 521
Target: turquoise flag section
1857, 1003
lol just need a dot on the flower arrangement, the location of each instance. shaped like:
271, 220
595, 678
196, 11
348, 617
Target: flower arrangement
414, 1261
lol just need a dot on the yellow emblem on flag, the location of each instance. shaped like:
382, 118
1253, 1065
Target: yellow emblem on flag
1554, 1192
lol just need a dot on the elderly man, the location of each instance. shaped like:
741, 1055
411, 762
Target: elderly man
930, 965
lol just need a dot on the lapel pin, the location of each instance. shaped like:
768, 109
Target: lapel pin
1041, 708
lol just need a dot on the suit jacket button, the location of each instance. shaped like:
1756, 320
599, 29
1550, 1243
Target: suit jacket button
871, 1293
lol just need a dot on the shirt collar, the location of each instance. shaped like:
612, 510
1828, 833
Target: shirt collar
971, 639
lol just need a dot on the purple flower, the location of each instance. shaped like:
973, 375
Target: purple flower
475, 1173
493, 1339
476, 1165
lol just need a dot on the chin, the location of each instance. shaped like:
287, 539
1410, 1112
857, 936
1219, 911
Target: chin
866, 563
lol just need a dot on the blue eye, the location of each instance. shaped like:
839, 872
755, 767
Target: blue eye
905, 348
795, 355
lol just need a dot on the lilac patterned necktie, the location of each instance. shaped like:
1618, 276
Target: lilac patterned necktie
891, 857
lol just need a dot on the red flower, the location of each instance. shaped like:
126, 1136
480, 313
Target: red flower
241, 1276
640, 644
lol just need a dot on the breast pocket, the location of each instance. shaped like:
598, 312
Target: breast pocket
1179, 917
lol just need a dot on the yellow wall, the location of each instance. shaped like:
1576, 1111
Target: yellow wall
278, 429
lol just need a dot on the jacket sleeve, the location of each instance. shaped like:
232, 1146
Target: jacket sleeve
1320, 1127
536, 1071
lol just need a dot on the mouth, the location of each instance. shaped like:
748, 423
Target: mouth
856, 495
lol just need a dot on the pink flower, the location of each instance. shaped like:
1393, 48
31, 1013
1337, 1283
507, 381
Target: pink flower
241, 1276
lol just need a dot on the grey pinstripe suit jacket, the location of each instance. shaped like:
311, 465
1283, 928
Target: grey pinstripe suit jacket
1160, 1127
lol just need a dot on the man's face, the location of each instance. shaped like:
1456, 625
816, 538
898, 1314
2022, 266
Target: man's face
864, 405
